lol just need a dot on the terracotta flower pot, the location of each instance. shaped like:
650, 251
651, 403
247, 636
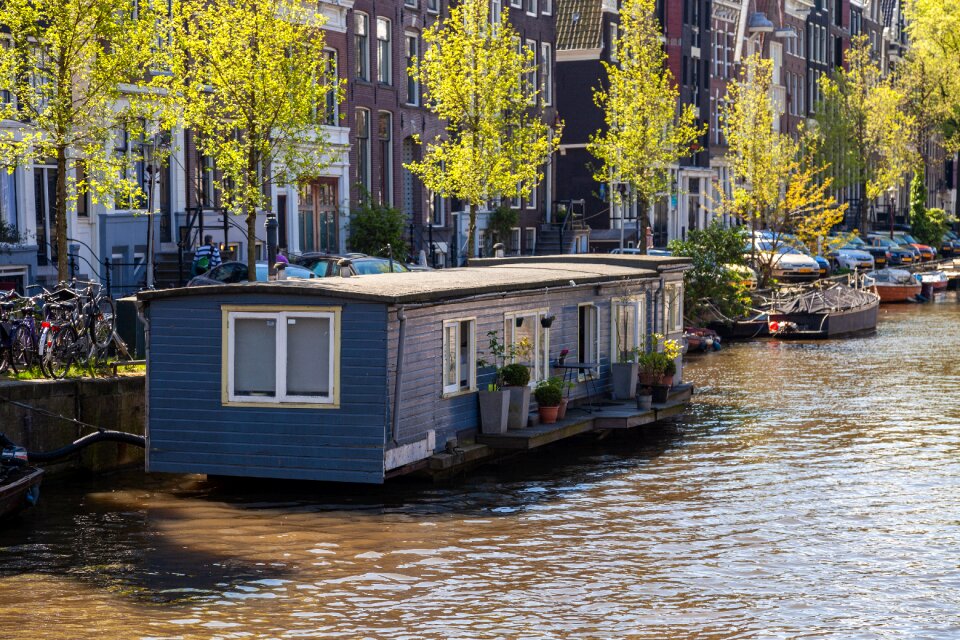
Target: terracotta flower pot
548, 415
649, 379
666, 379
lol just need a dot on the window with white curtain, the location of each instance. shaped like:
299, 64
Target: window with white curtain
459, 356
279, 357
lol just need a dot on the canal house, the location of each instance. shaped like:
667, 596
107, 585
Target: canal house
358, 379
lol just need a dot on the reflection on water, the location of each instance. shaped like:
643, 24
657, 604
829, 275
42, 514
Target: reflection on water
812, 491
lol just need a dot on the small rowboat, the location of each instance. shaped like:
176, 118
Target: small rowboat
893, 285
19, 489
932, 283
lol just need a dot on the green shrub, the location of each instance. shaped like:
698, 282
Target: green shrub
548, 394
374, 226
515, 375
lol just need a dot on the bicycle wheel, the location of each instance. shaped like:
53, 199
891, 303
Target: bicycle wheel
106, 322
61, 352
24, 348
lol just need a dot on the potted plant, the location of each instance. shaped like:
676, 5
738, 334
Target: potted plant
669, 371
651, 367
660, 393
549, 394
547, 321
494, 400
644, 398
516, 377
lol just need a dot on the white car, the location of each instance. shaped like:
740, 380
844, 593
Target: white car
852, 258
786, 263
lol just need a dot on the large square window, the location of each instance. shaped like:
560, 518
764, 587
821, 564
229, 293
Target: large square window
289, 356
628, 332
530, 340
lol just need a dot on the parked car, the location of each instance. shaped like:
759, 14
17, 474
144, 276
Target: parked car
926, 251
325, 265
786, 263
881, 257
233, 272
898, 255
901, 242
853, 258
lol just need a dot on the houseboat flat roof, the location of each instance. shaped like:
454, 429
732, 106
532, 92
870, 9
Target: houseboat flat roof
505, 275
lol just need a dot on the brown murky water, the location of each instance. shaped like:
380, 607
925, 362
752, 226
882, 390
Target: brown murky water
812, 492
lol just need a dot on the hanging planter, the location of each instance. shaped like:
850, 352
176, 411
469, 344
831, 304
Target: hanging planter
546, 321
519, 321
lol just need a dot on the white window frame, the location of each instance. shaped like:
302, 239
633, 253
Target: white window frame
546, 7
639, 305
456, 389
530, 7
531, 233
673, 308
532, 198
413, 59
541, 369
281, 317
362, 52
516, 4
385, 64
433, 6
496, 13
595, 338
546, 73
516, 240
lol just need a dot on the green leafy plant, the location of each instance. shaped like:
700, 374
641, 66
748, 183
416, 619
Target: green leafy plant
927, 225
374, 226
9, 234
549, 392
501, 222
515, 375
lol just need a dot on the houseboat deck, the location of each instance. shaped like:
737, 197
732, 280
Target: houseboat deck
613, 416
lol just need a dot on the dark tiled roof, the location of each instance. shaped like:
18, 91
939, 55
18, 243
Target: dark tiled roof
579, 24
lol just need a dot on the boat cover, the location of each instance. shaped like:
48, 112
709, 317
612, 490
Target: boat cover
889, 276
837, 297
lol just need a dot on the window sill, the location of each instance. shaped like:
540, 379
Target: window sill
457, 394
281, 405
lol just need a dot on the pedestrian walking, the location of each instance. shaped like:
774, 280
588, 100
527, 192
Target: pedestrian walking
207, 256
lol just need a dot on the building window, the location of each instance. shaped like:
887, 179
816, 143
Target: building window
516, 4
629, 328
361, 45
612, 35
530, 240
363, 149
302, 346
433, 6
546, 73
530, 78
530, 340
413, 62
435, 213
83, 199
385, 137
530, 6
459, 356
546, 7
532, 198
673, 320
514, 247
8, 200
331, 107
410, 3
384, 67
496, 12
588, 334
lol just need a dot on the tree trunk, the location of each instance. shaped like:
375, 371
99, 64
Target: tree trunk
471, 233
250, 209
863, 225
60, 239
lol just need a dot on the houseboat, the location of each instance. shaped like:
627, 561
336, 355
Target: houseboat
359, 379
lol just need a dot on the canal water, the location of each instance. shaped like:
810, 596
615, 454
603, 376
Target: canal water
813, 491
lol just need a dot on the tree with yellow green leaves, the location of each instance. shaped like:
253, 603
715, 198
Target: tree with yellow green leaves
645, 134
64, 71
472, 75
867, 136
252, 79
934, 62
778, 185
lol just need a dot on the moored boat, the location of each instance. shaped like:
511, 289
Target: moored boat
893, 285
19, 489
932, 283
826, 312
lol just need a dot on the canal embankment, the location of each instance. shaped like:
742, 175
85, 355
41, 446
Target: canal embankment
43, 415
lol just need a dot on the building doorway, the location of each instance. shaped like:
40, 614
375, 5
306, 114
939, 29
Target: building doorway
318, 215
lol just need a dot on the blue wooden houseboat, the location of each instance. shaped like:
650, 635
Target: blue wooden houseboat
357, 379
